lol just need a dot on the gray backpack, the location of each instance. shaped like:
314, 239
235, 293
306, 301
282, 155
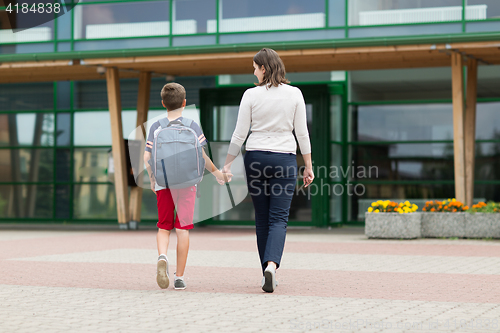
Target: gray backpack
177, 155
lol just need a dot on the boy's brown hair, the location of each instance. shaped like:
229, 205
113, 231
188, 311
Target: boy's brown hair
275, 69
173, 95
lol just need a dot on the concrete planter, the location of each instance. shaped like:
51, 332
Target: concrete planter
482, 225
443, 224
392, 225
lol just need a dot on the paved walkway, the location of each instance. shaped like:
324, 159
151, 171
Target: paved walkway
330, 281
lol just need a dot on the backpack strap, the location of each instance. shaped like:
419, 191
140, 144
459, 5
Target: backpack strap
164, 122
186, 122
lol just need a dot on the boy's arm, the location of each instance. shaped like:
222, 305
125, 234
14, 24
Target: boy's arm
209, 165
147, 157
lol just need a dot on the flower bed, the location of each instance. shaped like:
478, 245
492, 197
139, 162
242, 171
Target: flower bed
388, 219
444, 219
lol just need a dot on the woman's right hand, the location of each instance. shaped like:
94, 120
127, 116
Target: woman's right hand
308, 176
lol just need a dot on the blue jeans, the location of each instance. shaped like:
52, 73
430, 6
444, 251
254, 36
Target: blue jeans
271, 179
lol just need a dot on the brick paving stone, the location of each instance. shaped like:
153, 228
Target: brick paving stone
105, 281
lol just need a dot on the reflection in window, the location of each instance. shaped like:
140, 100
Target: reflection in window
63, 129
491, 7
259, 15
189, 21
26, 201
433, 161
26, 165
30, 129
487, 161
381, 12
91, 164
402, 122
32, 33
93, 94
13, 96
121, 20
225, 118
94, 128
488, 121
94, 202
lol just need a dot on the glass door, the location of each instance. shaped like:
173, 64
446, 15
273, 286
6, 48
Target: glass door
310, 207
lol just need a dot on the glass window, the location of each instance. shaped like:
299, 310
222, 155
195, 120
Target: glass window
31, 129
402, 122
149, 209
93, 94
432, 161
26, 201
63, 95
63, 129
91, 164
63, 157
192, 16
487, 162
336, 13
192, 84
404, 84
119, 44
381, 12
406, 30
64, 24
62, 201
36, 30
335, 117
335, 209
488, 121
225, 121
281, 36
482, 9
94, 128
259, 15
13, 96
94, 202
26, 165
487, 192
113, 20
335, 163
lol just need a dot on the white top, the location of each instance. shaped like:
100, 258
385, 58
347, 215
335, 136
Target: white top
272, 113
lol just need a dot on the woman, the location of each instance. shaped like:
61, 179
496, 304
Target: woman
272, 109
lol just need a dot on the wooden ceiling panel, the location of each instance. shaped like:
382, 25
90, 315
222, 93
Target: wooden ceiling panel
353, 58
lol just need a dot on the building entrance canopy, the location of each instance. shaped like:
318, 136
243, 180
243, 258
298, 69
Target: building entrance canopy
144, 64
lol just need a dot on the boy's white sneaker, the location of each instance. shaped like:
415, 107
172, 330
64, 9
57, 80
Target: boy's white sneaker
162, 277
179, 282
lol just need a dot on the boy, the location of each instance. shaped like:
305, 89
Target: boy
173, 97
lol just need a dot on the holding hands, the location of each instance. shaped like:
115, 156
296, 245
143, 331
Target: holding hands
223, 176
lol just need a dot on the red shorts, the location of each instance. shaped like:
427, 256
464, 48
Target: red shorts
183, 199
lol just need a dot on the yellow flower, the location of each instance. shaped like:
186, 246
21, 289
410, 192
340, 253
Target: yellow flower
407, 203
376, 211
374, 204
453, 200
400, 211
370, 209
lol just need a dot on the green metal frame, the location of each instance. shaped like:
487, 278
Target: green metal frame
345, 42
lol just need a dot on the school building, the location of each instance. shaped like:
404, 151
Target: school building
403, 100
